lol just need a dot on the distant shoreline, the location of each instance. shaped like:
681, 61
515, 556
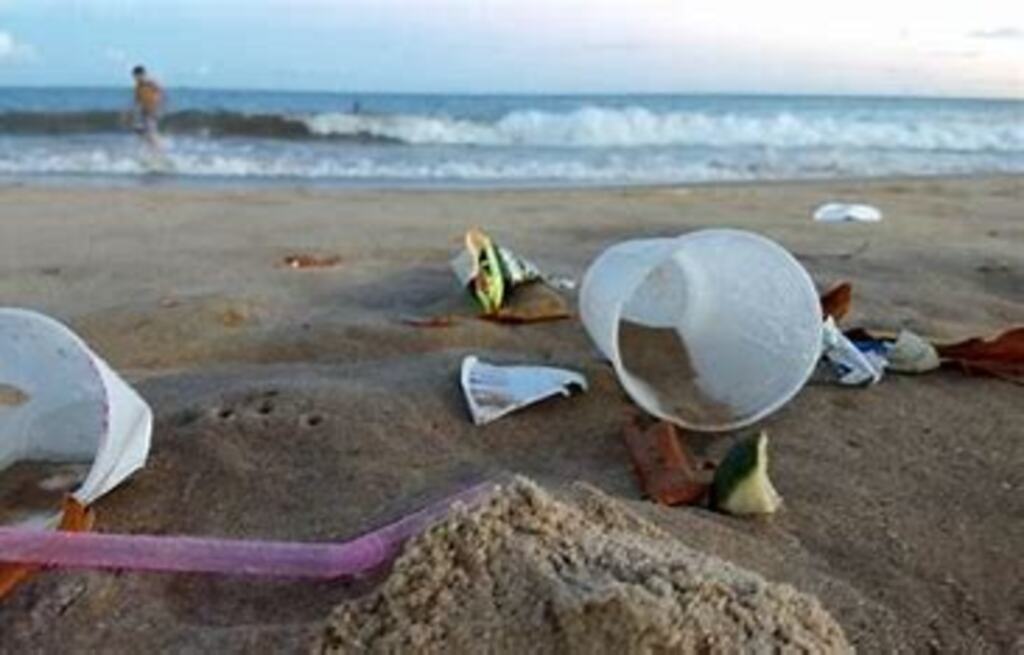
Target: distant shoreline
187, 182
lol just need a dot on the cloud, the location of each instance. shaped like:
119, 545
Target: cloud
12, 49
998, 33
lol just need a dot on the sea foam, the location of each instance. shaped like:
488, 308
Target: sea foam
639, 127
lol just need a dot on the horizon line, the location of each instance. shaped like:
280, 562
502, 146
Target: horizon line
608, 94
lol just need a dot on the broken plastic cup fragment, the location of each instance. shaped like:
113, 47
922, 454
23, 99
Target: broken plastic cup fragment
852, 366
712, 330
493, 391
77, 427
842, 212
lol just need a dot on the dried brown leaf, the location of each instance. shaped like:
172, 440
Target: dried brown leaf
836, 301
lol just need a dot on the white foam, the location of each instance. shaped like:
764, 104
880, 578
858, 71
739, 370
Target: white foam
326, 161
636, 126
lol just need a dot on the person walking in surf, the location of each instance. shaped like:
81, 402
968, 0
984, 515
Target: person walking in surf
149, 100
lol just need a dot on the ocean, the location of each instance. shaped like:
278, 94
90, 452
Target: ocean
505, 140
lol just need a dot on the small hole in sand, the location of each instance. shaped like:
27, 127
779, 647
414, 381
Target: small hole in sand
266, 408
226, 414
314, 420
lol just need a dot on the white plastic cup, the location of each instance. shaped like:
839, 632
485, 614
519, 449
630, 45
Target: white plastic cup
745, 311
76, 408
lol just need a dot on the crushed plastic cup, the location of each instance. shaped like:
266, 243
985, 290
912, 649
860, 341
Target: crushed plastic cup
844, 212
712, 330
68, 423
494, 391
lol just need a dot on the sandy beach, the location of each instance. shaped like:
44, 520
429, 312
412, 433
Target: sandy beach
295, 404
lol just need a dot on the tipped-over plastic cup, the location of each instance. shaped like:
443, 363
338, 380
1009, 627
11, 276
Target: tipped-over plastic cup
61, 404
712, 330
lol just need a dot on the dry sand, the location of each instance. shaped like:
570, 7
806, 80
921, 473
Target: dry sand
293, 404
526, 573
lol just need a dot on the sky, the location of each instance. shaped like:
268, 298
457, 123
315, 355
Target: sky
892, 47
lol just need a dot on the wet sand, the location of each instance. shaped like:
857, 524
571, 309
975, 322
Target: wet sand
659, 357
295, 404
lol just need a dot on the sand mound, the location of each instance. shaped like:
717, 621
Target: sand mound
527, 573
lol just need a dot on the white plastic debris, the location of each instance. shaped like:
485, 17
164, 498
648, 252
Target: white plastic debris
911, 353
744, 311
853, 367
70, 408
494, 391
841, 212
560, 282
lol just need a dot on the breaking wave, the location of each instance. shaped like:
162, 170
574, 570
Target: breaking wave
640, 127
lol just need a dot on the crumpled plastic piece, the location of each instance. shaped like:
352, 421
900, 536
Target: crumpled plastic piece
836, 301
667, 472
851, 366
841, 212
911, 353
494, 275
516, 269
1001, 356
479, 269
494, 391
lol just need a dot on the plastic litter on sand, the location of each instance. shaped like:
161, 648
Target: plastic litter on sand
494, 391
692, 325
71, 408
842, 212
225, 556
911, 353
851, 366
492, 273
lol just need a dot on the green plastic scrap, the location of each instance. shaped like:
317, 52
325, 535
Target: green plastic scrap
741, 485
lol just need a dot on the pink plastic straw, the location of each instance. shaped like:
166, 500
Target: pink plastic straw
233, 557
